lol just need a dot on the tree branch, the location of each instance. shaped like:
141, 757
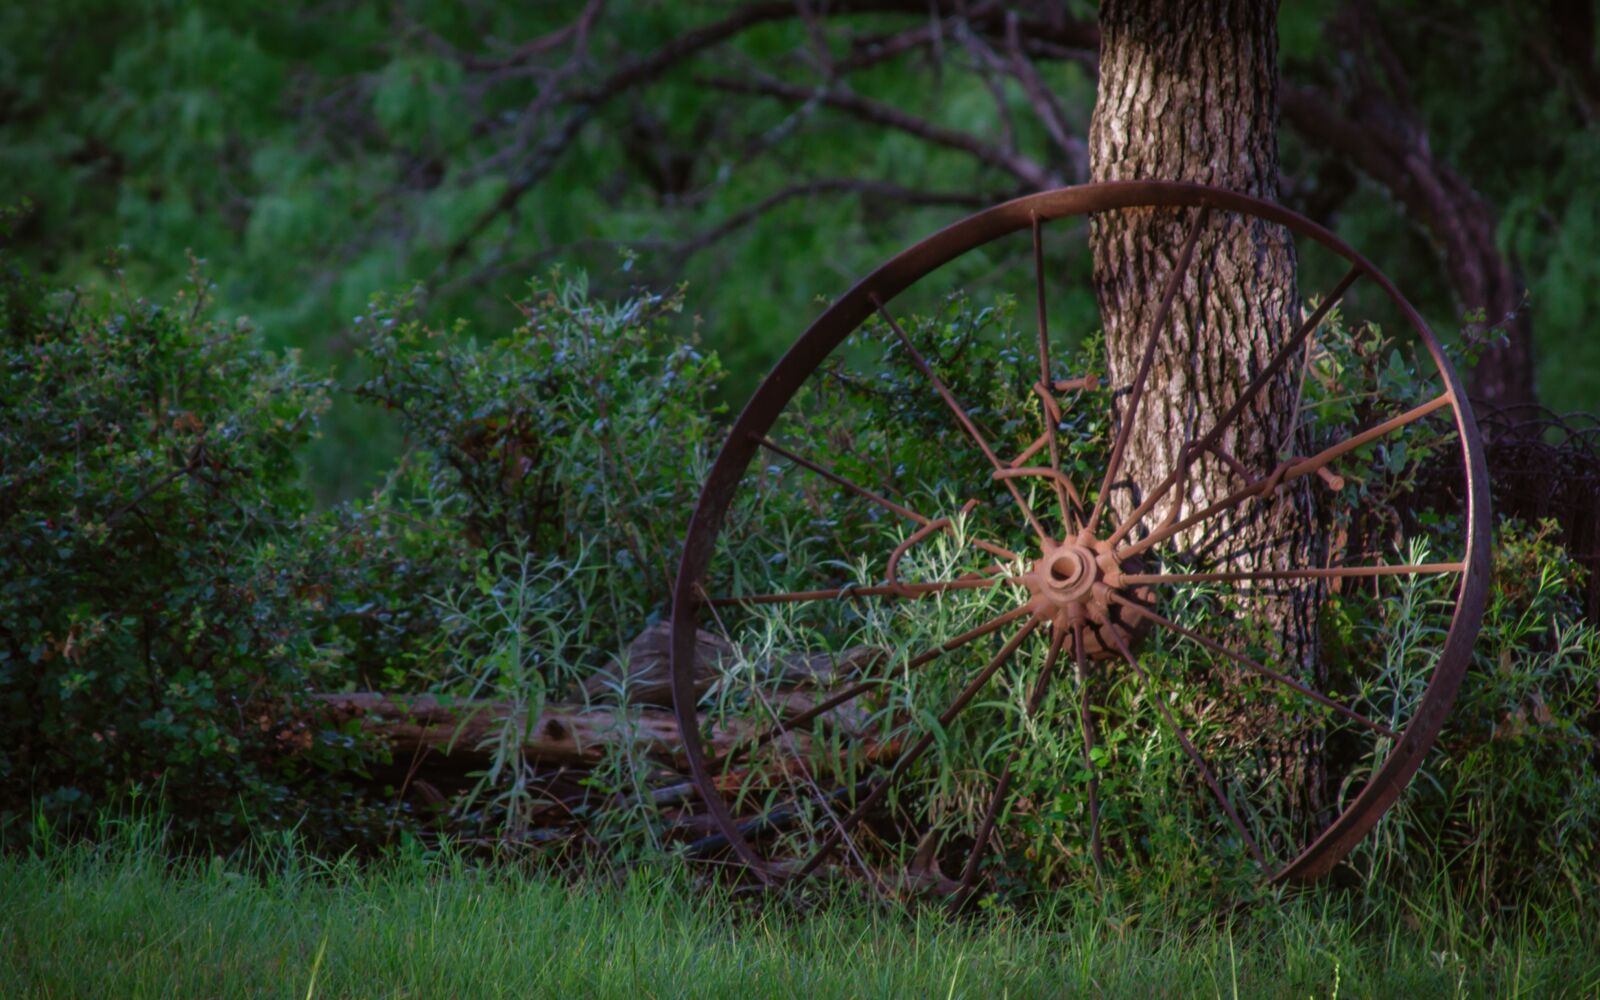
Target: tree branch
1045, 105
586, 102
682, 249
829, 185
1029, 172
1445, 206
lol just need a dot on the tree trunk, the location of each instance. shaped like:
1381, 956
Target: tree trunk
1188, 91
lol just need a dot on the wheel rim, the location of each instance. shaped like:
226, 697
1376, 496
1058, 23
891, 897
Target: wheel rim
1064, 578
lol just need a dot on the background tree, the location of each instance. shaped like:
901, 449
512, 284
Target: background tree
763, 151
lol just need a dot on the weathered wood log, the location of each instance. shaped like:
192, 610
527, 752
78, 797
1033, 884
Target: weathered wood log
562, 735
440, 747
644, 675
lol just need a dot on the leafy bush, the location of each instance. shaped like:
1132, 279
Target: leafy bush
1509, 802
585, 430
532, 529
171, 601
160, 575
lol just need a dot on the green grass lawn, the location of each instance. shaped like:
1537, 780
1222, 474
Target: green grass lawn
121, 922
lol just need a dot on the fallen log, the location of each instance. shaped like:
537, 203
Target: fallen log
441, 747
467, 731
562, 735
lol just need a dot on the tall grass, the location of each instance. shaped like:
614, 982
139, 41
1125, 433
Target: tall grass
121, 919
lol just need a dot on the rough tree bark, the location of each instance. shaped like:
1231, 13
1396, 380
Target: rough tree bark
1189, 91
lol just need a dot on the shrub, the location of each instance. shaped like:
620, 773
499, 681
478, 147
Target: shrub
159, 569
1508, 804
533, 527
585, 430
171, 601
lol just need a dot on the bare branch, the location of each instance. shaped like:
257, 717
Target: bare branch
586, 102
680, 250
829, 185
1045, 105
1443, 204
537, 46
1022, 168
536, 158
988, 70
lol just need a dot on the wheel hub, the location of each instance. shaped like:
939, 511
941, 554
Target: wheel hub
1067, 573
1077, 583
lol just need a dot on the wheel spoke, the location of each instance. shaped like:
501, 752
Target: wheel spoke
1079, 384
1320, 573
862, 687
1287, 474
903, 764
999, 552
1265, 671
1062, 483
1213, 437
1189, 749
891, 571
870, 590
969, 873
963, 419
812, 791
1086, 723
1030, 451
1047, 402
1136, 395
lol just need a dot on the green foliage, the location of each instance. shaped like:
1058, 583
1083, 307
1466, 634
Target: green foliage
580, 439
161, 578
172, 598
533, 527
318, 155
518, 636
1512, 798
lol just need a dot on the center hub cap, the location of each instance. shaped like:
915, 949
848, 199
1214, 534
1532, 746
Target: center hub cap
1067, 574
1077, 583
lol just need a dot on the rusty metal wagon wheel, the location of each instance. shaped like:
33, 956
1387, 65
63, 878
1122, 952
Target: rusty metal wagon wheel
1058, 604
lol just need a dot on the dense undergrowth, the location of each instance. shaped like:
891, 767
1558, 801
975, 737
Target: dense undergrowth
170, 600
